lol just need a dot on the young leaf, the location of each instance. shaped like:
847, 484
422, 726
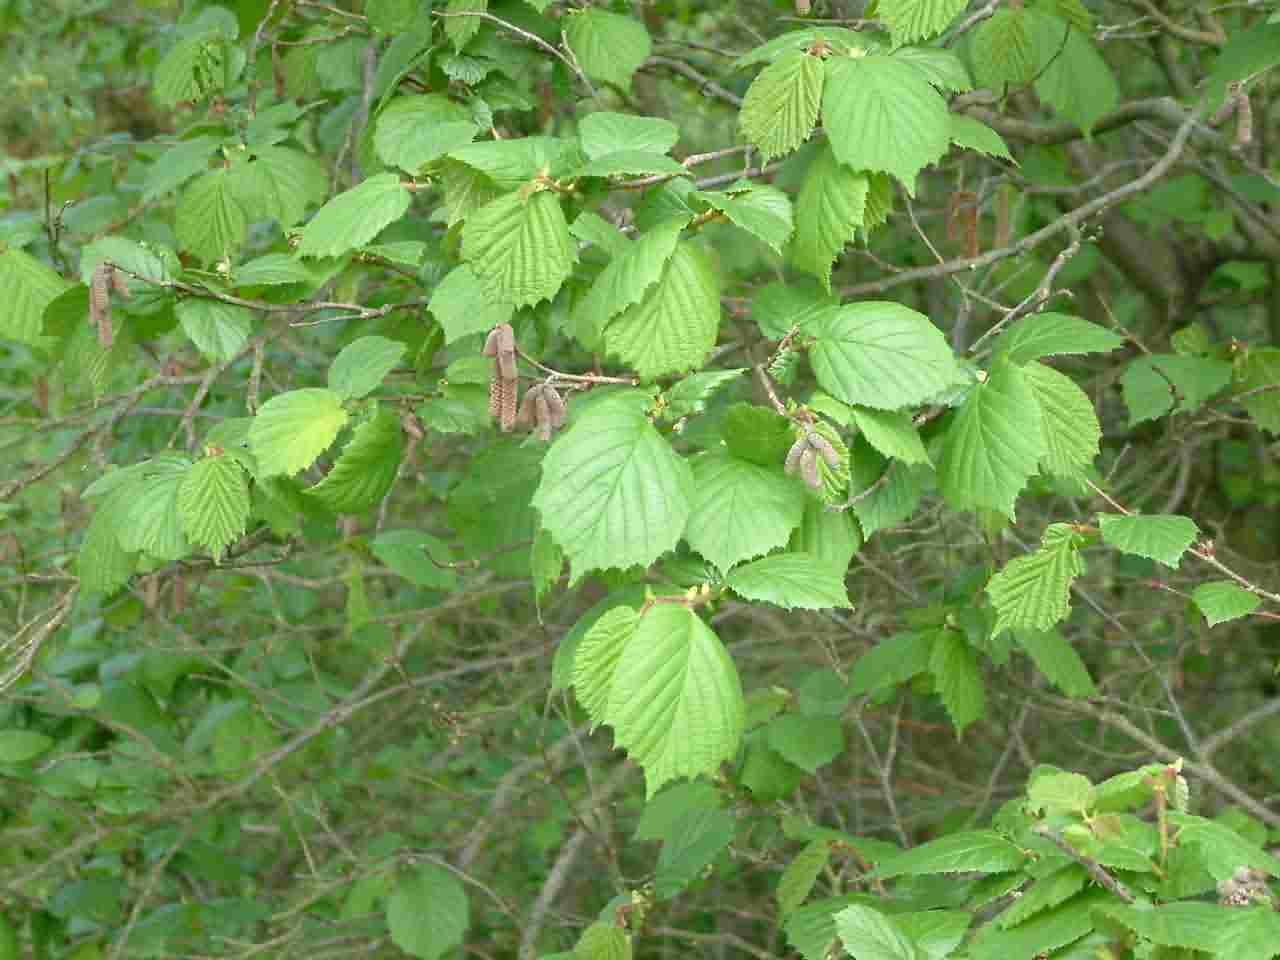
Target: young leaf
362, 365
676, 702
829, 210
868, 934
213, 503
29, 286
613, 492
955, 673
882, 114
891, 662
460, 28
691, 393
911, 20
428, 914
218, 330
1073, 77
1003, 50
608, 47
1033, 592
781, 106
791, 581
1070, 425
880, 354
597, 657
970, 134
519, 249
797, 880
414, 131
761, 210
893, 434
292, 429
1222, 600
366, 469
1050, 334
1161, 537
994, 444
353, 218
740, 510
984, 851
1058, 661
209, 221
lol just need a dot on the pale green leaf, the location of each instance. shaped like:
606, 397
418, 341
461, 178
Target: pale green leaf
1223, 600
460, 28
462, 308
1161, 537
911, 20
1033, 592
418, 557
690, 394
613, 492
811, 929
674, 327
592, 228
983, 851
936, 933
893, 434
1070, 425
546, 562
940, 66
1073, 77
1223, 849
629, 276
867, 934
892, 500
513, 163
362, 365
832, 536
631, 163
413, 131
1251, 933
608, 47
519, 248
880, 354
882, 114
780, 109
1003, 50
213, 503
694, 842
150, 521
392, 16
366, 468
192, 69
892, 662
597, 657
778, 307
829, 210
465, 190
808, 742
209, 221
994, 443
354, 217
292, 429
740, 510
103, 565
428, 914
1050, 334
792, 581
604, 133
278, 183
1195, 926
218, 330
761, 210
841, 39
797, 880
1041, 934
178, 164
602, 941
971, 134
958, 680
29, 286
1058, 661
1045, 894
273, 269
1258, 380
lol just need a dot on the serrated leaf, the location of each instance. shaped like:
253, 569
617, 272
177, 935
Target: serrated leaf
604, 133
676, 702
177, 165
1050, 334
1058, 661
292, 429
690, 394
808, 742
1252, 933
893, 434
911, 20
462, 308
1153, 383
601, 941
366, 468
936, 933
1003, 50
150, 522
1047, 892
1195, 926
592, 228
1161, 537
514, 163
277, 183
597, 657
792, 581
831, 536
354, 217
778, 307
984, 851
1072, 76
740, 510
218, 330
546, 561
23, 746
608, 47
882, 114
1033, 592
103, 565
940, 66
1258, 380
213, 503
272, 269
780, 109
867, 934
695, 840
1223, 600
631, 163
466, 189
674, 327
428, 914
413, 131
29, 286
458, 28
192, 69
763, 211
971, 134
841, 39
209, 221
1042, 934
491, 507
957, 678
1223, 849
797, 880
757, 434
418, 557
519, 248
891, 662
994, 443
362, 365
880, 354
893, 499
811, 929
628, 277
613, 492
1070, 425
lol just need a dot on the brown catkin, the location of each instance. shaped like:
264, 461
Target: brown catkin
555, 406
542, 415
119, 284
809, 467
502, 402
100, 304
824, 447
793, 455
1244, 121
525, 418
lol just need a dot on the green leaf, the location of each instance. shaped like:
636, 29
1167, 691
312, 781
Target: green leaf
628, 277
892, 662
428, 913
797, 880
1152, 383
354, 217
1047, 892
460, 29
811, 929
868, 934
608, 47
413, 131
893, 434
1252, 933
601, 941
392, 16
209, 221
984, 851
273, 269
777, 307
957, 678
150, 522
940, 67
604, 133
1058, 661
690, 395
911, 20
1003, 50
675, 326
1042, 934
936, 933
416, 556
808, 742
294, 428
882, 114
597, 658
1247, 52
1073, 77
792, 581
9, 949
519, 249
592, 228
994, 443
218, 330
461, 306
676, 702
613, 492
29, 286
1067, 419
1258, 374
740, 510
366, 469
278, 183
1222, 600
694, 842
1195, 926
830, 536
177, 165
514, 163
213, 503
362, 365
970, 134
780, 109
491, 507
192, 70
103, 565
1162, 537
1033, 592
23, 746
880, 354
757, 434
1223, 849
761, 210
663, 813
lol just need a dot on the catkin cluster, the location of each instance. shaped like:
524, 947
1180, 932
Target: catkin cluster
804, 453
104, 280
